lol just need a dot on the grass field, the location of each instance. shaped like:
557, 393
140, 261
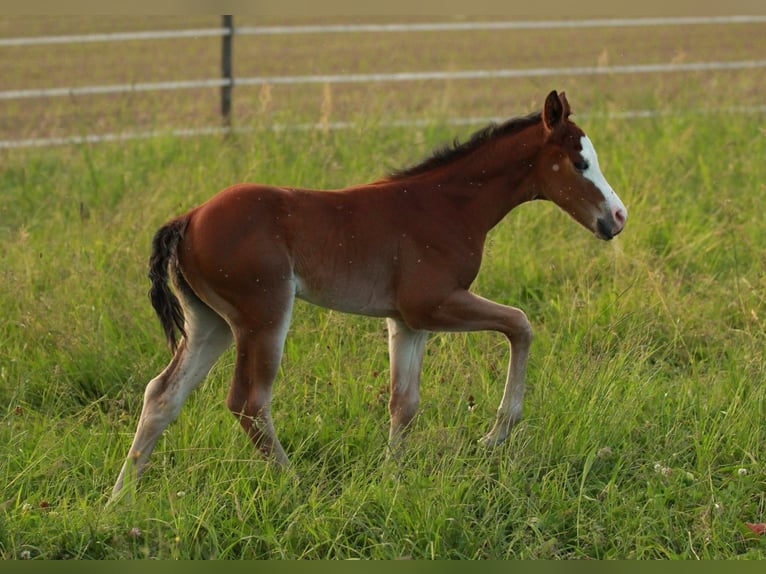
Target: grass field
643, 434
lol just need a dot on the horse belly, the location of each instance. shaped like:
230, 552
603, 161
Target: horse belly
343, 293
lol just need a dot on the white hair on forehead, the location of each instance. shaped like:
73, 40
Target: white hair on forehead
587, 151
593, 173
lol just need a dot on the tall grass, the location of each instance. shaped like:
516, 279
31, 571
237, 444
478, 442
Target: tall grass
642, 437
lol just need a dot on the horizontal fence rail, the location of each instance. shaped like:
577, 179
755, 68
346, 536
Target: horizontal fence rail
383, 77
112, 37
344, 125
513, 25
227, 82
355, 28
112, 89
502, 73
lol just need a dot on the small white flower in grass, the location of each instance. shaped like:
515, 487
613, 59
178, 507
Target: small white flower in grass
662, 469
742, 472
134, 532
25, 555
181, 493
604, 452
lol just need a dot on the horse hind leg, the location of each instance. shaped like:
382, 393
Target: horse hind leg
207, 337
260, 339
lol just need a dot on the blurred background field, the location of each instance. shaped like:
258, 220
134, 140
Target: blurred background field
277, 55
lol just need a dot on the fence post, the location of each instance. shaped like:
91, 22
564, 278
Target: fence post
226, 70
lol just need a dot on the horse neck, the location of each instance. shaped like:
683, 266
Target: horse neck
490, 181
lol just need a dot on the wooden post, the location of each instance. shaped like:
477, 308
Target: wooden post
226, 70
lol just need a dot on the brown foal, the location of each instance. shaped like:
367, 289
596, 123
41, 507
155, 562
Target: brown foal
406, 247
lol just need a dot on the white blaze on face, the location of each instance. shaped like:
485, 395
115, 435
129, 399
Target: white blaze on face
593, 173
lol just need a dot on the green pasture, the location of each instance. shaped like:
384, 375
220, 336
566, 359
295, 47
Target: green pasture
644, 425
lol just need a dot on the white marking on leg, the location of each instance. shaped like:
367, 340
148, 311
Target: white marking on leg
207, 337
406, 348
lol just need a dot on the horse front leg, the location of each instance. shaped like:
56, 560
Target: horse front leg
511, 407
405, 347
465, 311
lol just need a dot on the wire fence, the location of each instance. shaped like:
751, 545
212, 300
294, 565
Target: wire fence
389, 77
227, 81
415, 27
338, 125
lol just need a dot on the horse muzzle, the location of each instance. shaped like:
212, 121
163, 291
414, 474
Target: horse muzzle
607, 228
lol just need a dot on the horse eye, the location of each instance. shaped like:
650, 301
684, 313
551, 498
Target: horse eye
581, 165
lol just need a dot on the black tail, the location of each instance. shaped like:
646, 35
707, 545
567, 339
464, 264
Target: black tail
165, 303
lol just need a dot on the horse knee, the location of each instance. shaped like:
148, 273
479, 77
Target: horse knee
520, 329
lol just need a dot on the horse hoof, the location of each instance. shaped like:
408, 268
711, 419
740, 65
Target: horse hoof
489, 441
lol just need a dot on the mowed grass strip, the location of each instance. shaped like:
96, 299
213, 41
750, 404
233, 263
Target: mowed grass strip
642, 435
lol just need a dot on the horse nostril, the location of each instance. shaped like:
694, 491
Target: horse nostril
620, 216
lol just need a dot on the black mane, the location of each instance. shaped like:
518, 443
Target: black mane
449, 153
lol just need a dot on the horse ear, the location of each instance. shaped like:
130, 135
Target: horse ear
553, 111
565, 105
